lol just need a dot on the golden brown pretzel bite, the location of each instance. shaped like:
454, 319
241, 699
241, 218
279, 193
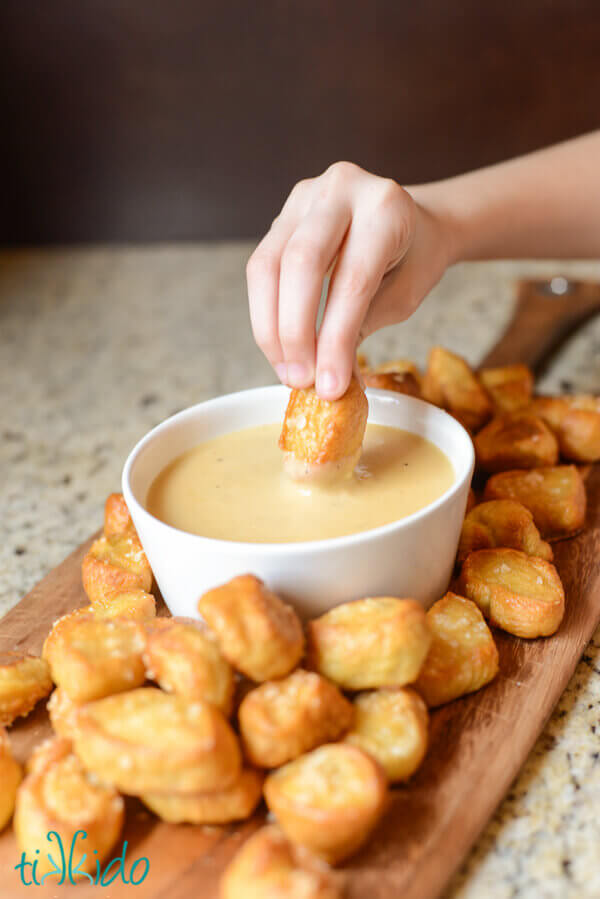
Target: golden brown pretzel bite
515, 440
24, 680
58, 796
282, 719
450, 383
147, 741
234, 803
268, 866
323, 438
10, 778
183, 657
117, 520
576, 423
328, 800
510, 386
391, 725
91, 657
463, 656
63, 713
555, 496
257, 632
375, 642
396, 381
399, 366
115, 564
519, 593
135, 604
502, 522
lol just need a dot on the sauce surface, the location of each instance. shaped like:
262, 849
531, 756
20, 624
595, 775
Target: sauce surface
233, 487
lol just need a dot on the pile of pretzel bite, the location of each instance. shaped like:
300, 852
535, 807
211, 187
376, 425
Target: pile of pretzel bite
202, 720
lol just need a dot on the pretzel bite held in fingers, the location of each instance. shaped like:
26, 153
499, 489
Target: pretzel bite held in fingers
328, 800
515, 440
322, 439
519, 593
183, 657
375, 642
555, 496
24, 680
117, 519
269, 866
135, 604
63, 713
397, 382
463, 656
282, 719
502, 522
576, 422
59, 797
391, 725
147, 741
91, 657
115, 564
233, 803
450, 383
257, 632
10, 778
509, 386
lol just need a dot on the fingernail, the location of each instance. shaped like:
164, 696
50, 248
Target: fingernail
298, 374
281, 369
327, 383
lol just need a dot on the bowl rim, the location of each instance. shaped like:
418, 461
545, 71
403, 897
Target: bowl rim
214, 544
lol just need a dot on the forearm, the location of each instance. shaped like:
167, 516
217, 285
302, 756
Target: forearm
546, 204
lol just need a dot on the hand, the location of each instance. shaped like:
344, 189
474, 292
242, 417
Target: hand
386, 250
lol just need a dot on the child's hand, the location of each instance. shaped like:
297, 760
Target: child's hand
388, 253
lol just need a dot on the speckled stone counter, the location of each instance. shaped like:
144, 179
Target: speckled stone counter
98, 345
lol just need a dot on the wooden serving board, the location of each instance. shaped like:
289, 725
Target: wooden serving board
477, 746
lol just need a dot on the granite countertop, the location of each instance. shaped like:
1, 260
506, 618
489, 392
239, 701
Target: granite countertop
98, 345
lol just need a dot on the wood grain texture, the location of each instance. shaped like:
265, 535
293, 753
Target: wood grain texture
478, 745
542, 319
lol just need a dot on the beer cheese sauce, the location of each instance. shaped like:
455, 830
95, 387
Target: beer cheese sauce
233, 487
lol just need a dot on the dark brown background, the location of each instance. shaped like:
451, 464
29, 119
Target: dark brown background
134, 120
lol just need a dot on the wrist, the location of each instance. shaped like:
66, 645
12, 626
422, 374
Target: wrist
443, 205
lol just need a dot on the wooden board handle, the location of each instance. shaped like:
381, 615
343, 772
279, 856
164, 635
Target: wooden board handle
545, 314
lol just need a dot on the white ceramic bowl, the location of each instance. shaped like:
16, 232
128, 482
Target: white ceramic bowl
410, 557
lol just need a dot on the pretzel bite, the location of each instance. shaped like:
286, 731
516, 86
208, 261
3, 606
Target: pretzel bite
396, 381
59, 797
257, 632
576, 422
24, 680
510, 386
328, 800
391, 725
117, 520
322, 439
282, 719
91, 657
268, 866
10, 778
450, 383
147, 741
115, 564
182, 656
63, 713
399, 366
554, 495
463, 656
135, 604
362, 361
519, 593
515, 440
233, 803
502, 522
471, 501
375, 642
